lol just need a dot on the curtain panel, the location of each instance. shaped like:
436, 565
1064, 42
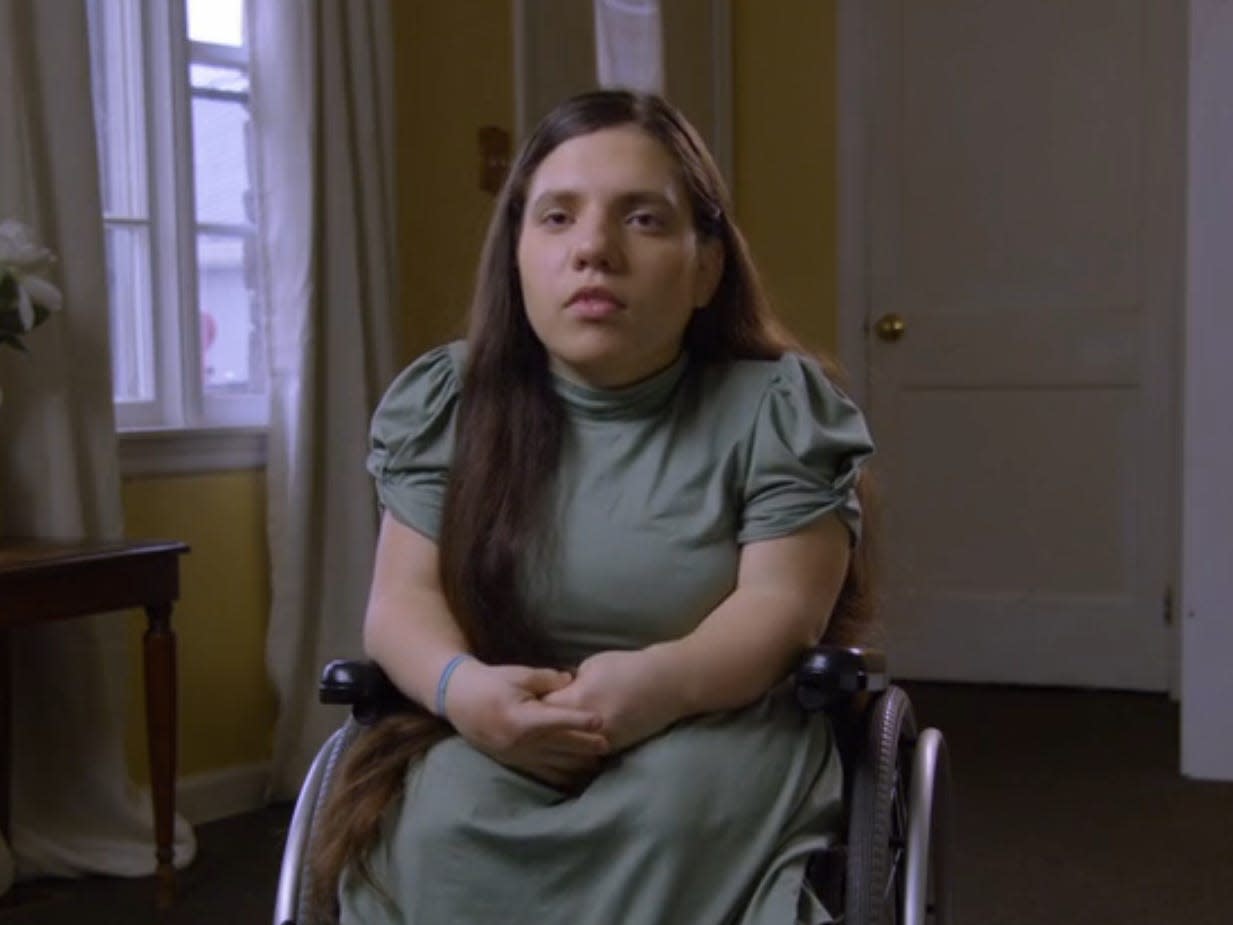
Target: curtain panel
323, 97
629, 44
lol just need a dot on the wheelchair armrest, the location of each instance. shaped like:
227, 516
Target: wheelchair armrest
826, 675
362, 685
830, 674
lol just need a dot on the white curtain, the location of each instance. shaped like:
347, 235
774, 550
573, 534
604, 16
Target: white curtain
322, 91
629, 45
73, 806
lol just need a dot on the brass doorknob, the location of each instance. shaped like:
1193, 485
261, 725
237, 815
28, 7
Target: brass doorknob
890, 327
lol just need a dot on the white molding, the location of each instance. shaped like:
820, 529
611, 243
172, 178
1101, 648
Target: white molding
1207, 448
182, 451
212, 795
169, 196
185, 344
1163, 215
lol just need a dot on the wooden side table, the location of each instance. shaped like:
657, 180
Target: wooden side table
44, 580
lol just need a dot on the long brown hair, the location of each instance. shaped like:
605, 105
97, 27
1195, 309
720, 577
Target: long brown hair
508, 410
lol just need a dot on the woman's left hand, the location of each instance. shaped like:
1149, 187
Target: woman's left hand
633, 692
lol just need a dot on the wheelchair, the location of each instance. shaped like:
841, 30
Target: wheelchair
890, 865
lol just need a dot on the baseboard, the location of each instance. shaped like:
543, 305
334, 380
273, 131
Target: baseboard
212, 795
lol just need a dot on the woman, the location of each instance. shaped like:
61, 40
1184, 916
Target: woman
614, 518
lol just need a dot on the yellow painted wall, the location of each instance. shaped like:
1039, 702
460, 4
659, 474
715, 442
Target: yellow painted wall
453, 74
226, 704
784, 153
453, 67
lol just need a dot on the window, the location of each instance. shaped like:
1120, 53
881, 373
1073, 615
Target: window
171, 99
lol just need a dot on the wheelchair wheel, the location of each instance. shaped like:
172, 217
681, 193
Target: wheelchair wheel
877, 833
926, 877
293, 905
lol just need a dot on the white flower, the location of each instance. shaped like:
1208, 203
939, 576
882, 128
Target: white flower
25, 297
18, 249
41, 292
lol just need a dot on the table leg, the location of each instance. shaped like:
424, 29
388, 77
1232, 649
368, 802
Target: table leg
6, 731
160, 668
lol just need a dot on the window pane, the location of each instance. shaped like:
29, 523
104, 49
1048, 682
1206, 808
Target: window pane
232, 338
219, 22
116, 65
132, 318
220, 160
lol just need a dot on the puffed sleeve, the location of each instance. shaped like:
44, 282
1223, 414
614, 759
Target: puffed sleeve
412, 440
805, 450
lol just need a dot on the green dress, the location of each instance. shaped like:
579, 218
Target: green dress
660, 484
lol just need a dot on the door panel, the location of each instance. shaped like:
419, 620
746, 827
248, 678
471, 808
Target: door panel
1024, 462
1017, 418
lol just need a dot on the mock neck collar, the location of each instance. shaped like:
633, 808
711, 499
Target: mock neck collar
628, 401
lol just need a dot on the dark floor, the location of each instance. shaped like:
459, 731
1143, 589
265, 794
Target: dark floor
1069, 810
232, 880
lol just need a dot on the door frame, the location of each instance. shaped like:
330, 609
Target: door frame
1164, 282
1206, 597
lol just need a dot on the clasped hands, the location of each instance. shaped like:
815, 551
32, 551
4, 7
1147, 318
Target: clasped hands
559, 726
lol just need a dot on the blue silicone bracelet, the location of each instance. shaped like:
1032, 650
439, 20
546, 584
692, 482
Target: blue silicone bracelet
450, 667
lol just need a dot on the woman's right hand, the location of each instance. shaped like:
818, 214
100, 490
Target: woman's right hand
498, 709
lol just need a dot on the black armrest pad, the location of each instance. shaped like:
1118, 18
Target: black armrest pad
828, 674
361, 684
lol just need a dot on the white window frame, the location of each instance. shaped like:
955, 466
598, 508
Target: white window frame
182, 428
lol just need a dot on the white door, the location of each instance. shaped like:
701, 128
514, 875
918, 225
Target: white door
1024, 202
